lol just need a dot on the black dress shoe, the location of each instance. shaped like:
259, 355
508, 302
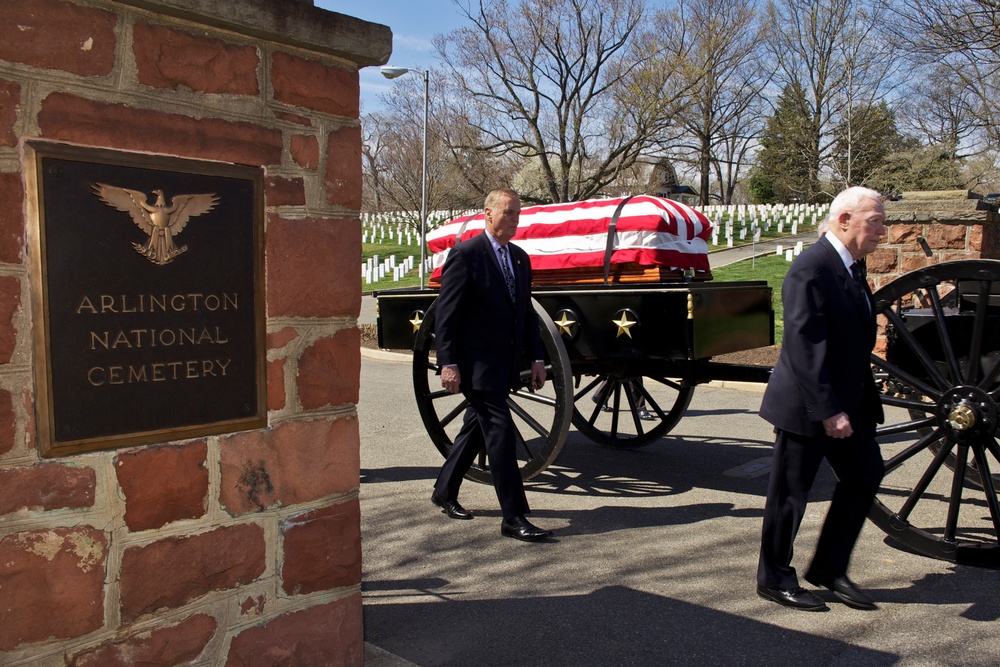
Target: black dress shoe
521, 529
797, 598
451, 507
646, 415
845, 590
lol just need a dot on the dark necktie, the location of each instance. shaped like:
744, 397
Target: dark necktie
858, 271
507, 277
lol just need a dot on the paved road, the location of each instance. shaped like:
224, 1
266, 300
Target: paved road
653, 563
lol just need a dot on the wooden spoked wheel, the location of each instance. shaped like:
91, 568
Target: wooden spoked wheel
542, 418
628, 411
940, 387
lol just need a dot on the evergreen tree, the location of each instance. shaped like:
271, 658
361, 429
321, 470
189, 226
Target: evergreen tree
782, 171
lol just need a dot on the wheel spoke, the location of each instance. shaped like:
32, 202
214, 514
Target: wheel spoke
894, 462
906, 427
667, 382
456, 411
957, 484
903, 332
634, 408
925, 480
650, 402
528, 419
590, 385
942, 329
908, 403
535, 398
978, 329
982, 462
906, 378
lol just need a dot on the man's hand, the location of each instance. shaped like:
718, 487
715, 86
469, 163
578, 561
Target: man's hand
537, 375
838, 426
450, 379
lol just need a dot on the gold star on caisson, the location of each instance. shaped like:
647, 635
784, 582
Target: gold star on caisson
624, 324
565, 325
416, 319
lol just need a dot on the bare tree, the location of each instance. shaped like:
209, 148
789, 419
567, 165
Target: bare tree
722, 110
960, 41
567, 84
835, 51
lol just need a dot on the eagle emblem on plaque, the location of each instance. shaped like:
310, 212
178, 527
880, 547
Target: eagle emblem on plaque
160, 221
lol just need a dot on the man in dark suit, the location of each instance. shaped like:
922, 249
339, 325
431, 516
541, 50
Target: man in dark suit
823, 402
484, 323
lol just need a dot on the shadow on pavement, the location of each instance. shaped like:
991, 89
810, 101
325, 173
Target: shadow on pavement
614, 625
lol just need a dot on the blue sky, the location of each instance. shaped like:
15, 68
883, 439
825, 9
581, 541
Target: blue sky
413, 22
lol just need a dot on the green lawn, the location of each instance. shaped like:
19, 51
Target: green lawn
770, 268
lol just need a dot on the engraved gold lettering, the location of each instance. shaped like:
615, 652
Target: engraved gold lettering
108, 303
166, 371
86, 304
158, 301
91, 376
177, 302
212, 302
136, 374
99, 339
157, 370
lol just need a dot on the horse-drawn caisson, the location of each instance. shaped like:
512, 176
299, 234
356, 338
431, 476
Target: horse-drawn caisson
631, 320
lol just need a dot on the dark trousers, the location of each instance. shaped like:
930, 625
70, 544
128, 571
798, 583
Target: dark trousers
487, 423
857, 462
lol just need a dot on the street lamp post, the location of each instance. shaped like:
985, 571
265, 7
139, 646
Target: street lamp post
391, 72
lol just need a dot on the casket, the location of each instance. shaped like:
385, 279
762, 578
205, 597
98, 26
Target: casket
652, 240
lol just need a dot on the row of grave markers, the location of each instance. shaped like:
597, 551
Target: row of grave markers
728, 222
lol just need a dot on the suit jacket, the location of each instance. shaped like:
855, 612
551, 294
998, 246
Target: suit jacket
824, 367
476, 325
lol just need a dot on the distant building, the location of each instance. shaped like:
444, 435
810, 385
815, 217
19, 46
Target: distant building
663, 183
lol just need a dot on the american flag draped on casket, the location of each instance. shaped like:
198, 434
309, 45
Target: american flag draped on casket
654, 240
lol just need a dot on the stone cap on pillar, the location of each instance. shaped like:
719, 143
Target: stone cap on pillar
299, 24
941, 206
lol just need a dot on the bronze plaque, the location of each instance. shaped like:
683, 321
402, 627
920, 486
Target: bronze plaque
147, 297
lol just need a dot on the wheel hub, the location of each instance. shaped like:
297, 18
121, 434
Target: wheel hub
967, 413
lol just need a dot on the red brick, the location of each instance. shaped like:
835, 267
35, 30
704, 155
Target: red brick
10, 306
53, 34
329, 634
944, 236
47, 486
312, 267
186, 568
343, 168
279, 339
52, 583
312, 85
276, 384
8, 421
280, 191
163, 646
912, 262
163, 484
11, 218
975, 238
883, 260
10, 100
295, 462
903, 233
70, 118
168, 58
322, 549
330, 370
305, 151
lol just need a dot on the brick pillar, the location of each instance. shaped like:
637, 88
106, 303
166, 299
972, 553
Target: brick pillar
925, 228
242, 548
